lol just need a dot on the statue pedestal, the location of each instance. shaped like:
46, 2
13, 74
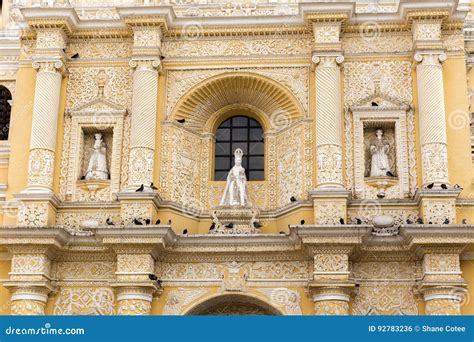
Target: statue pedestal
381, 183
241, 219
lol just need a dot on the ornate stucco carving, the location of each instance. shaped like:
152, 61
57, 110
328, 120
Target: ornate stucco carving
284, 298
180, 298
84, 301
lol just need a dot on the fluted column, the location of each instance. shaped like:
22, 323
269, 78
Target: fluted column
146, 60
328, 121
44, 126
143, 126
434, 154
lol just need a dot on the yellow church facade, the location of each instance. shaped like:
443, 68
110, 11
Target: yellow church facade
121, 120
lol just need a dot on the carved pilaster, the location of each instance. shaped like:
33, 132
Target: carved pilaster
442, 286
30, 281
434, 158
331, 286
143, 125
328, 121
133, 286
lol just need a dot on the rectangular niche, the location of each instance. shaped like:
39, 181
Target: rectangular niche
393, 124
84, 125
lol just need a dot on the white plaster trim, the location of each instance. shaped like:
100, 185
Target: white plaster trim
442, 296
29, 296
131, 296
324, 297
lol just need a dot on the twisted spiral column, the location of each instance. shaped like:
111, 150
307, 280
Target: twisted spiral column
44, 126
434, 154
328, 121
142, 140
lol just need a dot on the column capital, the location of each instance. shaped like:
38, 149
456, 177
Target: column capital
55, 65
146, 64
327, 59
434, 57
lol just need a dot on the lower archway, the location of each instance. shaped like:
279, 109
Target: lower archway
233, 305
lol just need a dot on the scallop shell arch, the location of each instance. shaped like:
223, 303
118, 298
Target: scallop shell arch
199, 104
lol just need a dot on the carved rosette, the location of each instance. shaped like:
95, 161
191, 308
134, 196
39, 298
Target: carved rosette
433, 140
328, 121
143, 124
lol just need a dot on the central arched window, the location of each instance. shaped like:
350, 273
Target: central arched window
244, 133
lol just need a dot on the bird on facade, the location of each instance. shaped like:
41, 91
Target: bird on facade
169, 222
153, 187
302, 222
457, 186
292, 199
444, 187
409, 221
446, 221
430, 222
419, 220
137, 222
341, 220
158, 221
430, 186
153, 277
229, 225
147, 221
389, 174
185, 232
464, 221
213, 226
257, 225
282, 232
358, 221
181, 121
375, 104
380, 195
83, 177
74, 56
109, 222
140, 189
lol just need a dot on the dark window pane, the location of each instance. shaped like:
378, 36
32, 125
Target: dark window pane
226, 123
256, 134
222, 149
239, 121
223, 134
256, 148
222, 163
5, 110
239, 134
256, 163
220, 175
246, 134
241, 145
254, 123
257, 175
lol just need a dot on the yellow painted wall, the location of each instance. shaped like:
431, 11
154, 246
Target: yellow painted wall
5, 267
467, 268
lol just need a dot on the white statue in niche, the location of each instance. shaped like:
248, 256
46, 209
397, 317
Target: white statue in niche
97, 168
379, 148
235, 193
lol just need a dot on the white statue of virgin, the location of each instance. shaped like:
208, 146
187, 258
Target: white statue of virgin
379, 148
235, 193
97, 168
